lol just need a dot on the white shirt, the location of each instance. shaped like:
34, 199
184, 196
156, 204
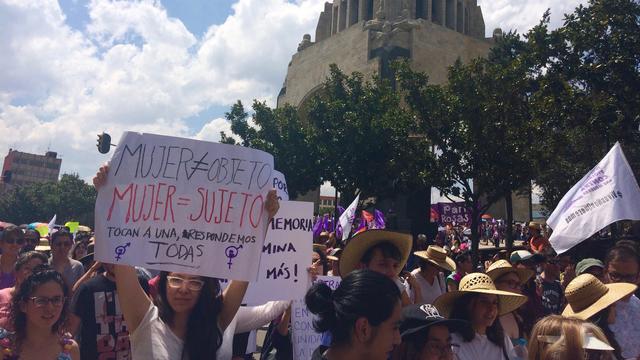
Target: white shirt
626, 328
481, 348
153, 339
429, 291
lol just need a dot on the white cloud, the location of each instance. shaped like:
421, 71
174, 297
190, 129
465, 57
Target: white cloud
522, 15
211, 130
136, 68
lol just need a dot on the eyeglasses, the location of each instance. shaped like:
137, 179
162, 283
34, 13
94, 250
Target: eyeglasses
19, 241
42, 301
192, 284
441, 349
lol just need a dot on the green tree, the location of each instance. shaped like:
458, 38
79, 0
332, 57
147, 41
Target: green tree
281, 133
366, 138
478, 123
71, 199
589, 95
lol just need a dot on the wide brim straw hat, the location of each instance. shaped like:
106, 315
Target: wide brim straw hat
359, 244
587, 296
437, 256
479, 283
502, 267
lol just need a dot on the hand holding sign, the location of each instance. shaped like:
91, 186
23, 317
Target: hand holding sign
185, 205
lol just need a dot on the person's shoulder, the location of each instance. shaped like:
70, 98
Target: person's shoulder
75, 263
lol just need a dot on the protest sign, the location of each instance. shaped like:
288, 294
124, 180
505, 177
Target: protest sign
452, 212
303, 337
608, 193
280, 184
184, 205
286, 254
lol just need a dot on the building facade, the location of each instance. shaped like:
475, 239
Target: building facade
22, 168
367, 36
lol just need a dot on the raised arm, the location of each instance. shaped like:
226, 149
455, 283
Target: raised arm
133, 300
234, 293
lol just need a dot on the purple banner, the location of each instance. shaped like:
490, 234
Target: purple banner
444, 213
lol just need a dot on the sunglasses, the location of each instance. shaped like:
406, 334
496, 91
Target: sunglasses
42, 301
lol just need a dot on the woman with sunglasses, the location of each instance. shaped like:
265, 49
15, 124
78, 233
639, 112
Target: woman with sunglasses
12, 241
188, 316
38, 313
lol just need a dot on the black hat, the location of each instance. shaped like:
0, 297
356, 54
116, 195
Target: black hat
422, 316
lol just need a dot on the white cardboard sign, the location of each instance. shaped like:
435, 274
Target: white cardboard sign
304, 338
286, 254
184, 205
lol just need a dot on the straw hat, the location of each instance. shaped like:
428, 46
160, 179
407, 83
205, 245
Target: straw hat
479, 283
501, 267
437, 256
359, 244
43, 245
587, 296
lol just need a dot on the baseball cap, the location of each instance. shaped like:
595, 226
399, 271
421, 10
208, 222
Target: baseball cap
522, 255
584, 264
418, 317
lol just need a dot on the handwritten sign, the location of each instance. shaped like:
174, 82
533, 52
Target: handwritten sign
304, 338
280, 184
286, 254
184, 205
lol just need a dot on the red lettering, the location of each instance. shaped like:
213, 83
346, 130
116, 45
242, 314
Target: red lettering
147, 216
169, 202
203, 198
157, 202
218, 220
255, 225
229, 207
244, 206
120, 196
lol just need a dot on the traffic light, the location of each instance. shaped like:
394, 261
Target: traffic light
104, 143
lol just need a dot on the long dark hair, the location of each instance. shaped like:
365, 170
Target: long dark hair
601, 319
203, 337
42, 274
362, 293
461, 310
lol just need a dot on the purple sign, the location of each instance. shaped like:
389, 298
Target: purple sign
451, 212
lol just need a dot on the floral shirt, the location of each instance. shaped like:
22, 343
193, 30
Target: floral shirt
7, 344
626, 329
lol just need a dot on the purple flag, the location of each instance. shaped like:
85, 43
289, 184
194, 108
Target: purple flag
340, 210
378, 219
325, 223
317, 227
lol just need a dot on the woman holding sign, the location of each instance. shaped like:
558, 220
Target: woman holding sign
187, 318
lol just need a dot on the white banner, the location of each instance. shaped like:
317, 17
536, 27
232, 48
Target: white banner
184, 205
608, 193
347, 217
303, 337
286, 255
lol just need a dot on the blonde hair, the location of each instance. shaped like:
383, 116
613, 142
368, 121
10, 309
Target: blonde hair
570, 342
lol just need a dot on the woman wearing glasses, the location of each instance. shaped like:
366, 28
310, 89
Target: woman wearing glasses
10, 244
38, 314
187, 318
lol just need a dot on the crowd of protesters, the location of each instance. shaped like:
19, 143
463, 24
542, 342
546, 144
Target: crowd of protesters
398, 299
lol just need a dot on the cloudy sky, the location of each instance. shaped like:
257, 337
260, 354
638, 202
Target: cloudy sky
74, 68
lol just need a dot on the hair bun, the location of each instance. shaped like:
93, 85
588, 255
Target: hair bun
319, 302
